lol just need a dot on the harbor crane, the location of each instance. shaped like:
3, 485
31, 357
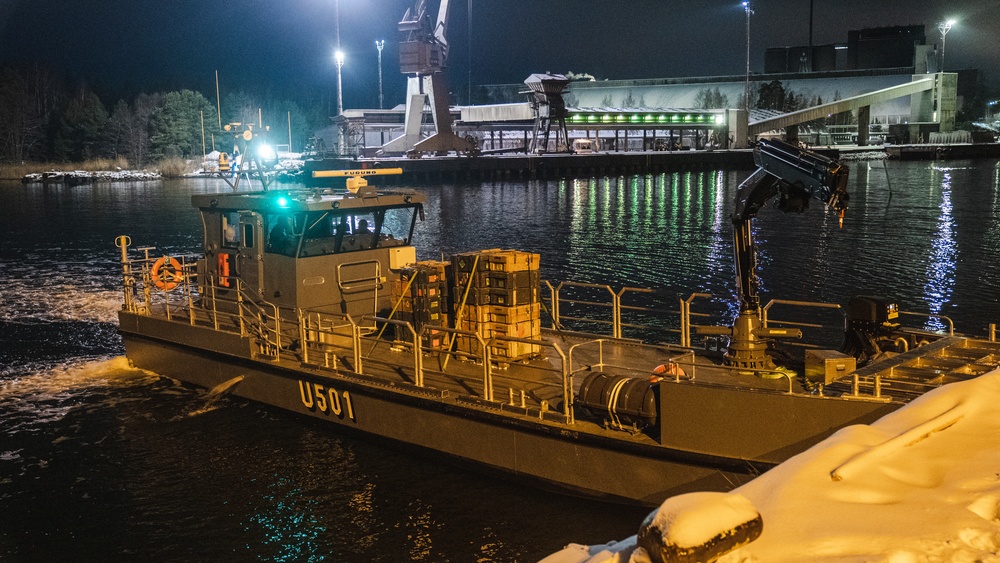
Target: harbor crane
423, 55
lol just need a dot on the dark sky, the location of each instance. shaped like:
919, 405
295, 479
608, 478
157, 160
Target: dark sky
122, 47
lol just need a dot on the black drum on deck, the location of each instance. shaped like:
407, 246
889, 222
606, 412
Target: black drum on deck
620, 400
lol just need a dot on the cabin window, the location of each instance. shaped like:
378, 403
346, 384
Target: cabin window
230, 229
248, 235
283, 233
320, 233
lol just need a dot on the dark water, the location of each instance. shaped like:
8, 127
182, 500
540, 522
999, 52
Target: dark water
102, 462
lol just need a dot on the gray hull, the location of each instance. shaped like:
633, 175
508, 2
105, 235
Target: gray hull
578, 460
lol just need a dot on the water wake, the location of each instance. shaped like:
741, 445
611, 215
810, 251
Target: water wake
216, 393
48, 395
58, 299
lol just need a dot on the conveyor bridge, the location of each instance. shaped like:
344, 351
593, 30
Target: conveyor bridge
923, 109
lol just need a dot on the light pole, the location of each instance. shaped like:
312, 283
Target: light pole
944, 27
338, 57
379, 45
746, 88
468, 49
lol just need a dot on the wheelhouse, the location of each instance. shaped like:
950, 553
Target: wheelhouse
307, 249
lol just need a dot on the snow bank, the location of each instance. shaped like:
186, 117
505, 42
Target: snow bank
920, 484
84, 177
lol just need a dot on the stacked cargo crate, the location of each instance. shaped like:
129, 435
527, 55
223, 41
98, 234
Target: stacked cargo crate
496, 293
423, 301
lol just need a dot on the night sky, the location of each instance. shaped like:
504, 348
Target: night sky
122, 47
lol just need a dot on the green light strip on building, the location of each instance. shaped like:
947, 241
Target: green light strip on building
636, 118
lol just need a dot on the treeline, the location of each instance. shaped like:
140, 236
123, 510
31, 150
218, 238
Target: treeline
44, 119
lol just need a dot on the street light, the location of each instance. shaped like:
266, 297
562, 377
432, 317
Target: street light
379, 45
338, 57
468, 49
944, 27
746, 88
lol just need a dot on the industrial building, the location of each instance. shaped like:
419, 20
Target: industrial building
881, 85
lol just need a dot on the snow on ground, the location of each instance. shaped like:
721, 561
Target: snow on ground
921, 484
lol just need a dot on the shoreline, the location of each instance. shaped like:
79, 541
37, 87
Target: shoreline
552, 165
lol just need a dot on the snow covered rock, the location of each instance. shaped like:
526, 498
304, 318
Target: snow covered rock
699, 527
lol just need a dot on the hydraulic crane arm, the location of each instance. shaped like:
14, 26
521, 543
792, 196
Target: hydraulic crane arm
794, 174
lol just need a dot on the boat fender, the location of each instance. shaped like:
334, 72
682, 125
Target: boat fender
166, 273
223, 263
662, 371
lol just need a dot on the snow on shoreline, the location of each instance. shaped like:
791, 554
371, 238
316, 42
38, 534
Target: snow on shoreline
921, 484
85, 177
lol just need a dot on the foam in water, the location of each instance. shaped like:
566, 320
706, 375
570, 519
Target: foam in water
47, 396
56, 298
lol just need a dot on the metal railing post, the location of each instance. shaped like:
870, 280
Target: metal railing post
686, 314
487, 369
356, 343
304, 343
554, 310
418, 358
567, 378
685, 323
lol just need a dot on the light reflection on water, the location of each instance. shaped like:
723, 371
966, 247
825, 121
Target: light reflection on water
943, 256
90, 445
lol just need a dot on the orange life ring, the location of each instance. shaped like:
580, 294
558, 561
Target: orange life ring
665, 370
166, 273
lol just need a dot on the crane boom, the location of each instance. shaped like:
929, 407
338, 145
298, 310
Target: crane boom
796, 175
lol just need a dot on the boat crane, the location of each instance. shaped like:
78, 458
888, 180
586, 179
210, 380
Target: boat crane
795, 175
423, 55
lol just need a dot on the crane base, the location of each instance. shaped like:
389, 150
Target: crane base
747, 352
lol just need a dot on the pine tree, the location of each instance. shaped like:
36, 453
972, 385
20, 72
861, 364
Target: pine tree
81, 126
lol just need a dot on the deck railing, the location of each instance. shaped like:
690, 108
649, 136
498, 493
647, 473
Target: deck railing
336, 341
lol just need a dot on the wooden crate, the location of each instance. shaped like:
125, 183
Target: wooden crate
512, 261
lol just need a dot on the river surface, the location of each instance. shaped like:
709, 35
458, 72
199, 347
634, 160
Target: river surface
99, 461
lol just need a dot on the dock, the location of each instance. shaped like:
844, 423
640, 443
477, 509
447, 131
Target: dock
545, 166
553, 166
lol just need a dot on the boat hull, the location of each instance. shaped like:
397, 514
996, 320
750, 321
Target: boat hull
598, 464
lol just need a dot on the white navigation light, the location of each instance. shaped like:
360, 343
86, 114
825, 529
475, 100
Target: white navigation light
266, 152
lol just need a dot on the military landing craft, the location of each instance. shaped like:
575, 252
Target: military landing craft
314, 301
